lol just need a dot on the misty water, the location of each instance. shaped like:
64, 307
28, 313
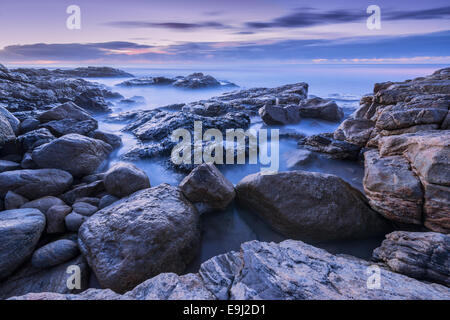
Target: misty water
225, 231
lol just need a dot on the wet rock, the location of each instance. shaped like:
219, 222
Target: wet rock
392, 188
310, 206
6, 132
6, 165
85, 209
14, 200
107, 200
335, 149
54, 253
13, 121
68, 110
110, 138
74, 153
20, 231
153, 231
34, 184
56, 218
424, 256
123, 179
207, 186
280, 115
90, 200
319, 108
43, 204
74, 221
298, 158
29, 124
84, 190
355, 131
34, 139
35, 280
62, 127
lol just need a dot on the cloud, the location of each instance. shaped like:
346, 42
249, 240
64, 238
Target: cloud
168, 25
308, 17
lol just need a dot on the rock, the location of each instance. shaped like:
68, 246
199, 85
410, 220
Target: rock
334, 149
29, 124
310, 206
74, 153
34, 139
392, 188
355, 131
67, 126
74, 221
92, 100
107, 200
54, 253
152, 231
43, 204
291, 270
14, 200
207, 185
280, 115
68, 110
30, 280
82, 72
6, 165
424, 256
85, 209
34, 184
110, 138
13, 121
56, 218
6, 132
90, 200
84, 190
321, 109
298, 158
123, 179
20, 231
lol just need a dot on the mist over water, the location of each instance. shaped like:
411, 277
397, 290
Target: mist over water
345, 84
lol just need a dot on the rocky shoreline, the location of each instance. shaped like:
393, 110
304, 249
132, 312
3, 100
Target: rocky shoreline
60, 206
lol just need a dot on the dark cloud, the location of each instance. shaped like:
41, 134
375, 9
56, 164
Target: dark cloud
307, 17
168, 25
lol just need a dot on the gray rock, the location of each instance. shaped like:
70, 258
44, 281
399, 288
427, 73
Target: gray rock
321, 109
152, 231
14, 200
54, 253
207, 185
56, 216
310, 206
35, 138
34, 184
74, 153
123, 179
68, 110
114, 140
85, 209
107, 200
90, 200
30, 280
424, 256
20, 231
298, 158
67, 126
13, 121
43, 204
6, 165
29, 124
6, 132
74, 221
280, 115
332, 148
84, 190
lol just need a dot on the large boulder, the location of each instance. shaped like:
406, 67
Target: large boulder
420, 255
20, 231
310, 206
123, 179
207, 186
6, 132
34, 184
54, 253
321, 109
280, 115
74, 153
44, 204
68, 110
152, 231
13, 121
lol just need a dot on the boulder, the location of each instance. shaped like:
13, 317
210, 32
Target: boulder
85, 209
420, 255
54, 253
298, 158
280, 115
107, 200
13, 121
20, 231
68, 110
74, 153
84, 190
6, 165
310, 206
56, 218
114, 140
67, 126
73, 221
123, 179
43, 204
152, 231
332, 148
35, 138
207, 186
34, 184
321, 109
29, 124
6, 132
14, 200
392, 188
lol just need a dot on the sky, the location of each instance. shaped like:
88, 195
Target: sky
233, 31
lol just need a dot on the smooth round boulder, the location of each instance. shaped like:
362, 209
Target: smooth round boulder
14, 200
73, 153
85, 209
20, 231
54, 253
310, 206
74, 221
33, 184
56, 218
124, 178
153, 231
43, 204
